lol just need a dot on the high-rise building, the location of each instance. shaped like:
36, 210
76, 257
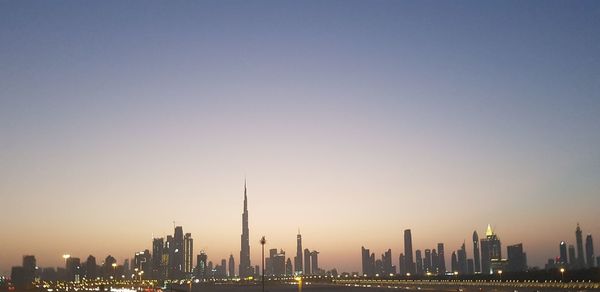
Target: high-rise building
427, 261
441, 258
408, 252
74, 269
278, 263
589, 251
298, 259
314, 260
476, 257
188, 251
580, 254
402, 265
563, 254
517, 260
245, 269
367, 269
435, 262
491, 251
306, 267
462, 260
201, 270
454, 262
158, 245
29, 268
91, 268
572, 257
470, 267
289, 269
176, 255
418, 262
386, 259
231, 266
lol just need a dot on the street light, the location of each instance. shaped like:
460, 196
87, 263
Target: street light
262, 242
500, 273
562, 274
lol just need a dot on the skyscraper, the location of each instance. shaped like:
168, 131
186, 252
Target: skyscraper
572, 257
441, 258
589, 251
418, 262
386, 259
563, 254
408, 252
580, 254
401, 264
177, 264
462, 260
289, 269
517, 261
476, 258
298, 259
307, 270
366, 262
91, 269
245, 269
491, 251
188, 251
231, 266
201, 270
157, 254
314, 260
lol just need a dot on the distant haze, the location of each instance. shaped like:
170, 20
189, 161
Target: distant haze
351, 120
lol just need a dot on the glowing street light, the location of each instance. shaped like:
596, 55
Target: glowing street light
562, 274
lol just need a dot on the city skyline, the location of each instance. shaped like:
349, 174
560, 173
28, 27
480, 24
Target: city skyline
352, 120
181, 256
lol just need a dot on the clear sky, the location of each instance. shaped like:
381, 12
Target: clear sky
352, 120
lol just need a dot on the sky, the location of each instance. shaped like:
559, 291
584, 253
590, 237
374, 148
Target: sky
350, 120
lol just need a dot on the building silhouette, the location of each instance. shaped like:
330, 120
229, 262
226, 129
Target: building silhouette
589, 251
435, 262
408, 252
314, 260
418, 262
298, 259
201, 271
402, 264
367, 267
517, 259
245, 269
158, 271
563, 260
441, 258
386, 259
462, 260
454, 262
572, 257
580, 264
306, 266
289, 269
91, 268
231, 266
476, 257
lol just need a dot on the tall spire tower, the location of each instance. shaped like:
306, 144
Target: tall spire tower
245, 266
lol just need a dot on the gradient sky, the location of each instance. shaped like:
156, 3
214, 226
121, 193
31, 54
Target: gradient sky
352, 121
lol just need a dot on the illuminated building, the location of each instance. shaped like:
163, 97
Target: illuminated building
188, 251
491, 251
563, 254
201, 270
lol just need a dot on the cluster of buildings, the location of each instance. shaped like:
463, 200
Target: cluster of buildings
487, 258
575, 261
172, 258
